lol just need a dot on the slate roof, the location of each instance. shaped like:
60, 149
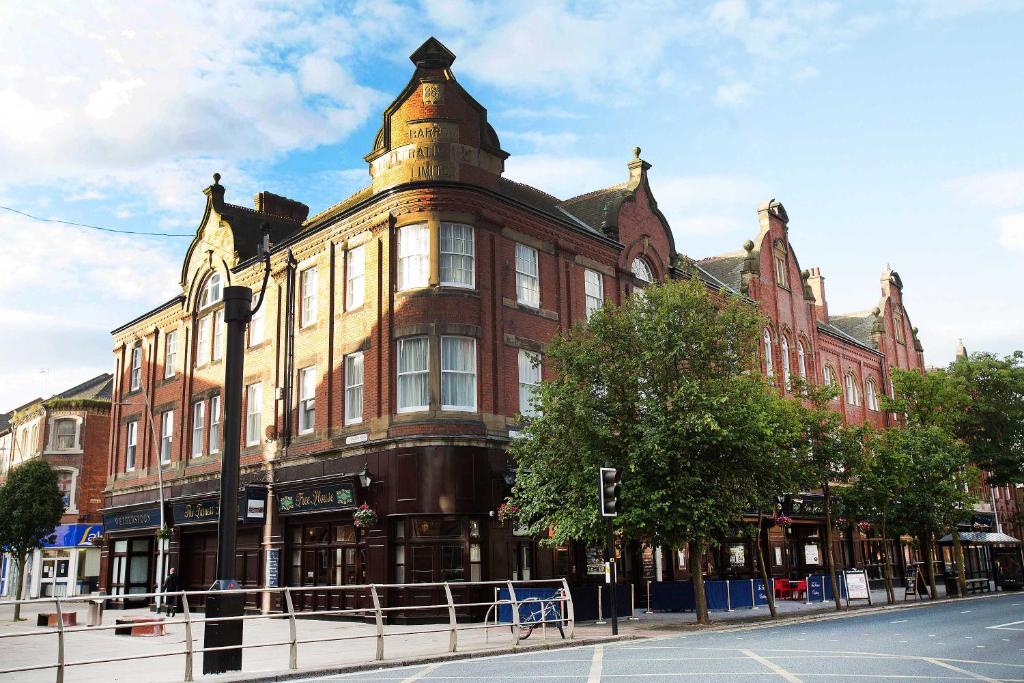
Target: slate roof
837, 332
600, 208
246, 228
5, 422
99, 388
856, 325
726, 268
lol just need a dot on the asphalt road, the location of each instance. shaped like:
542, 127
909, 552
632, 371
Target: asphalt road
971, 640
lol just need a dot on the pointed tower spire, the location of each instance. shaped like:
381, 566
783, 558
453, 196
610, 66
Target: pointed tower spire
961, 350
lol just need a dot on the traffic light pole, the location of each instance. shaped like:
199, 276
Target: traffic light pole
612, 592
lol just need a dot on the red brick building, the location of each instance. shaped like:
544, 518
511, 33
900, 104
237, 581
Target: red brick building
401, 335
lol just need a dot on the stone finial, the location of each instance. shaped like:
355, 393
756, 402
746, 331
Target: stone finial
216, 178
636, 152
876, 311
748, 246
961, 350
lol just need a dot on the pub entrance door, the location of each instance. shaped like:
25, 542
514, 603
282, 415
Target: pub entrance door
326, 554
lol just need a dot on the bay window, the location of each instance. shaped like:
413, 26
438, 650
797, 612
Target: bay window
458, 373
413, 374
66, 430
413, 256
457, 255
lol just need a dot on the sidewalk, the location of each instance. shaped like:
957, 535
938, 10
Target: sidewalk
401, 643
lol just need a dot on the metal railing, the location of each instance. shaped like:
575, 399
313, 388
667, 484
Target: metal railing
377, 611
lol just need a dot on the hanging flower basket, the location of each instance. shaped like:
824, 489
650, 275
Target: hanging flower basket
163, 532
783, 520
839, 522
99, 540
364, 517
507, 512
864, 527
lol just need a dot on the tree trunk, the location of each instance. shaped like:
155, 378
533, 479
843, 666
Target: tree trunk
961, 566
21, 558
769, 588
830, 556
700, 599
928, 545
890, 594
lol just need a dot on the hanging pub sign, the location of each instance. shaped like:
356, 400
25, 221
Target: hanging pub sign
127, 520
339, 496
255, 504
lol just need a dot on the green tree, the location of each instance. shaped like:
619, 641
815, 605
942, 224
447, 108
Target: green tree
665, 388
31, 506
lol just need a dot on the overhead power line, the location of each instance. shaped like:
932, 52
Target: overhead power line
96, 227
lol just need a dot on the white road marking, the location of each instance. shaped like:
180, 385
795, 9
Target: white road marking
1007, 626
422, 672
772, 665
898, 621
966, 611
971, 674
596, 664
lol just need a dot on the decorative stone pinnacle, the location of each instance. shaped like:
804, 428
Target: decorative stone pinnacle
748, 246
216, 178
636, 152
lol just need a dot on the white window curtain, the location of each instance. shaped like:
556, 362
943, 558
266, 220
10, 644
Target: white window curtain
131, 444
872, 395
529, 381
413, 256
593, 286
355, 275
253, 414
768, 360
828, 376
309, 280
66, 431
457, 255
785, 362
851, 390
801, 360
527, 276
166, 436
354, 388
215, 424
307, 400
198, 418
203, 341
218, 334
170, 353
413, 374
458, 373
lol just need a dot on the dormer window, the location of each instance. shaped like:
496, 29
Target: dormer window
781, 271
213, 291
642, 270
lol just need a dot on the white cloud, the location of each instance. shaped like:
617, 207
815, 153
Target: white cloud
543, 141
708, 204
994, 190
1011, 231
735, 94
566, 176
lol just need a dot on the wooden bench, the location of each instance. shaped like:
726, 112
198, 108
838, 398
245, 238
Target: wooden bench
140, 626
50, 619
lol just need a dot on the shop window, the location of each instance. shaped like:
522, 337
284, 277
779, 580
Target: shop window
458, 373
198, 417
213, 291
253, 414
737, 555
257, 333
457, 255
413, 374
593, 289
136, 376
166, 435
215, 424
307, 400
413, 256
170, 353
434, 527
527, 276
66, 434
355, 278
398, 534
131, 445
452, 565
308, 282
422, 569
354, 388
218, 334
529, 381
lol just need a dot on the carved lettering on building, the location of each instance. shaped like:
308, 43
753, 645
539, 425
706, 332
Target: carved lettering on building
433, 93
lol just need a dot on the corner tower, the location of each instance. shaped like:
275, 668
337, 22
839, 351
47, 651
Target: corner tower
434, 130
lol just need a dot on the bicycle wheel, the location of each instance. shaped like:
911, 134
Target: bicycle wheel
525, 630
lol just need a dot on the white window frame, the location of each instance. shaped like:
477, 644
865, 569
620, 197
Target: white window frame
468, 371
198, 429
215, 422
309, 284
413, 256
400, 347
593, 290
55, 428
307, 400
784, 350
135, 380
871, 393
355, 278
768, 359
354, 405
170, 353
828, 377
203, 340
253, 414
131, 445
527, 275
166, 436
218, 334
530, 375
257, 326
72, 506
852, 395
458, 233
801, 359
206, 299
642, 270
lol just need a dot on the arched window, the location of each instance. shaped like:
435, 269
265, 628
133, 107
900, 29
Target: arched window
801, 360
768, 361
869, 389
852, 393
213, 291
784, 343
781, 272
828, 376
642, 270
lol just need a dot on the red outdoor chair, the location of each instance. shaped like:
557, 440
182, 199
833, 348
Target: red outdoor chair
782, 589
799, 589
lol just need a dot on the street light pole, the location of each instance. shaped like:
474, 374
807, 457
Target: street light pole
238, 311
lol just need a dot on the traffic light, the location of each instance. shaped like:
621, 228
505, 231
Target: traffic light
610, 489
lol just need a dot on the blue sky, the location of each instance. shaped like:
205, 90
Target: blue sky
892, 132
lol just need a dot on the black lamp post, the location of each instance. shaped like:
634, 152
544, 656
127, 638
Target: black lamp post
238, 311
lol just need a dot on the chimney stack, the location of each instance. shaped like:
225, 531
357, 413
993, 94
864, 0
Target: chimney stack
817, 283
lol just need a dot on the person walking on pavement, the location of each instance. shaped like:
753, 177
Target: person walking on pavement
171, 585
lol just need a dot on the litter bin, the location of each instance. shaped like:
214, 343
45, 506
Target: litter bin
96, 609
